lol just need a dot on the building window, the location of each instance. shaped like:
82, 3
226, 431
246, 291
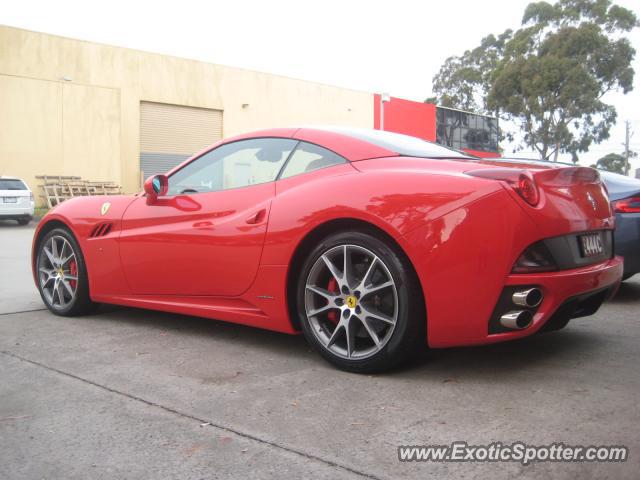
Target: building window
462, 130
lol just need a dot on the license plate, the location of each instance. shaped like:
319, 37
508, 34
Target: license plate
10, 199
591, 244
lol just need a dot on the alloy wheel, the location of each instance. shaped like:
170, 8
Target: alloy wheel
58, 272
351, 302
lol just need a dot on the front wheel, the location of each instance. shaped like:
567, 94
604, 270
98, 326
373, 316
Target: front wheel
360, 303
62, 274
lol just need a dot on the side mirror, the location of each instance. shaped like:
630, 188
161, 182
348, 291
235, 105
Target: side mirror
156, 186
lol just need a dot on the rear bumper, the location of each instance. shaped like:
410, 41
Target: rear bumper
464, 261
16, 216
15, 212
568, 293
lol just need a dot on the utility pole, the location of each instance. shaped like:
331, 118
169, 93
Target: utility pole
627, 128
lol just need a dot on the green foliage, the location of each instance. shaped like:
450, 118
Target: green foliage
549, 76
464, 82
40, 212
612, 162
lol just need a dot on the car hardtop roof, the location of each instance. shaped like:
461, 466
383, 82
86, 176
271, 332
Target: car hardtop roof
365, 142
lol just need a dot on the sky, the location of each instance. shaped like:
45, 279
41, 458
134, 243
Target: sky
393, 46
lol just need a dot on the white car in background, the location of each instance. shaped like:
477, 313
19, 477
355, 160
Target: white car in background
16, 200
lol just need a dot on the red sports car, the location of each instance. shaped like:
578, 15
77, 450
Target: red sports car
373, 244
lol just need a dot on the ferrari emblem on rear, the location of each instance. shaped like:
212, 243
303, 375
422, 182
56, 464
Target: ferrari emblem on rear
105, 208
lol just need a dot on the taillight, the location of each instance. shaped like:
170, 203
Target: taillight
520, 180
536, 258
528, 189
31, 196
627, 205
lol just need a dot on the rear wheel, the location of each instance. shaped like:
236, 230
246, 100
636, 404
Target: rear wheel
360, 304
24, 221
62, 274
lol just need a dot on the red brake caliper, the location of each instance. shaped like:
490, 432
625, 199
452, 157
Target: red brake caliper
73, 270
332, 287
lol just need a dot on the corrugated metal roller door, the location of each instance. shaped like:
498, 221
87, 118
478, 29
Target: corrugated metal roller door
169, 134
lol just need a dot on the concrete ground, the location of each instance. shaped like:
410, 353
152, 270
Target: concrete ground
130, 393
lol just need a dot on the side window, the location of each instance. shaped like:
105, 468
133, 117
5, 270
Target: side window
308, 157
233, 165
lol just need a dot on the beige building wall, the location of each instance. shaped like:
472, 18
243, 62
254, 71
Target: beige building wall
69, 107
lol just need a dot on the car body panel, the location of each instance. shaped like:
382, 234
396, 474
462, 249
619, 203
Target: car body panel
102, 254
627, 225
627, 233
627, 241
461, 295
209, 242
620, 186
394, 201
461, 233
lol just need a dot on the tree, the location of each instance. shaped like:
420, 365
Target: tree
612, 162
464, 82
549, 76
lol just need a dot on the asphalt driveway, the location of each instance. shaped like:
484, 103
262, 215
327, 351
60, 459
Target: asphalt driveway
129, 393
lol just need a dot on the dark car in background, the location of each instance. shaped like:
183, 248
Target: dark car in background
624, 194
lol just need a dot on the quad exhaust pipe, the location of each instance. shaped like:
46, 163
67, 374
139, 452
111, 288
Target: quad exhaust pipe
517, 320
530, 298
524, 304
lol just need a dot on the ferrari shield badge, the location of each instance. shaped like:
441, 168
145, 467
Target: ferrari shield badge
105, 208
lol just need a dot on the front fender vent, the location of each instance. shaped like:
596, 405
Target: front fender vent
100, 230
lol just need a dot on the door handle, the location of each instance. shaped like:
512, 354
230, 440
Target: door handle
257, 217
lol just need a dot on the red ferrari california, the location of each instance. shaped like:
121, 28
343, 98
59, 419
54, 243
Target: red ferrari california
370, 243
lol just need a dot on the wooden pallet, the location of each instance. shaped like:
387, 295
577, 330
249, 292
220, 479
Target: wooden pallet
58, 188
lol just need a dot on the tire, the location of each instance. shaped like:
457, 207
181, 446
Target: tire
24, 221
341, 324
63, 279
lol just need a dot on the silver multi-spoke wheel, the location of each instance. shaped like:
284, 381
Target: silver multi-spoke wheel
351, 302
58, 272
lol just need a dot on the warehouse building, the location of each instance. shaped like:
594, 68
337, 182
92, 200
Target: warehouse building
105, 113
70, 107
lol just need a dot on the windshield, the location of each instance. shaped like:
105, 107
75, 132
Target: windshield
9, 184
404, 145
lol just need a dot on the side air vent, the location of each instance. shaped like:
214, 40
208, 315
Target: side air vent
100, 230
